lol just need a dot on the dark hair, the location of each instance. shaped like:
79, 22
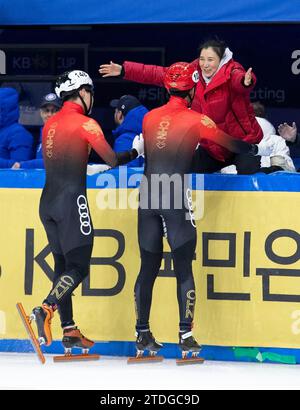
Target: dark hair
259, 109
73, 95
217, 45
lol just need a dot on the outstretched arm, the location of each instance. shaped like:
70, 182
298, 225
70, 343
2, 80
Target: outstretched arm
92, 133
140, 73
242, 81
209, 131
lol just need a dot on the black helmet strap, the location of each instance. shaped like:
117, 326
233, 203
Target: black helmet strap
87, 110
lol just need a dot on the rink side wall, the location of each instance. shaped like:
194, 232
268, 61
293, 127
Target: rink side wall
246, 266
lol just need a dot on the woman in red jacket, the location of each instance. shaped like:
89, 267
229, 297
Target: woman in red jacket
223, 94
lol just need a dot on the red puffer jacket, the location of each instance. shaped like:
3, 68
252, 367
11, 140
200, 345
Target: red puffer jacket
225, 100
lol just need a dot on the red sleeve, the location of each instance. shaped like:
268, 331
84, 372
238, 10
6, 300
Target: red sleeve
91, 132
237, 80
145, 74
208, 130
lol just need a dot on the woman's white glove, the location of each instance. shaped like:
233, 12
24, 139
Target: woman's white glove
96, 169
265, 148
138, 144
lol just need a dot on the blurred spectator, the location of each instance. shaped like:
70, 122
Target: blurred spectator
280, 159
129, 115
292, 137
16, 143
50, 104
260, 114
223, 94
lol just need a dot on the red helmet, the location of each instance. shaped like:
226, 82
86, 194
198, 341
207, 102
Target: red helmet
181, 76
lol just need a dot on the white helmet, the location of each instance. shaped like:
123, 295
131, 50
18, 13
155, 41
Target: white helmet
71, 81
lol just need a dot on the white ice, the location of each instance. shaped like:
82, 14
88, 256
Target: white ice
23, 371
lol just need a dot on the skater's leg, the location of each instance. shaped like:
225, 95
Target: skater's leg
143, 297
186, 296
182, 239
77, 268
150, 233
44, 314
150, 265
182, 258
72, 337
65, 309
75, 260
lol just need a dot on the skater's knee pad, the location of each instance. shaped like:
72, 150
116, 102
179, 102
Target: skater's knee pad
150, 264
150, 261
185, 252
183, 258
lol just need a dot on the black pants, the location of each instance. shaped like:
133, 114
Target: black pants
70, 234
181, 235
246, 164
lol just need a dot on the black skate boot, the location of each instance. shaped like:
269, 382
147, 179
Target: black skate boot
188, 344
145, 341
74, 338
43, 315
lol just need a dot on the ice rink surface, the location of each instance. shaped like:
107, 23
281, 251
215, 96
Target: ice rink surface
23, 371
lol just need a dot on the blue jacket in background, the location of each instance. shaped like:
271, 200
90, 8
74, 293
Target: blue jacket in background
38, 162
125, 133
15, 141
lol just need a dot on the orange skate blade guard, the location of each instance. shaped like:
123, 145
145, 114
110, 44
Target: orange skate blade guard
191, 360
145, 359
30, 332
76, 358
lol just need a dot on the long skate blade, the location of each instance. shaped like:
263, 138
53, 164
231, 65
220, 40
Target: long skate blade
75, 358
30, 332
145, 359
189, 360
